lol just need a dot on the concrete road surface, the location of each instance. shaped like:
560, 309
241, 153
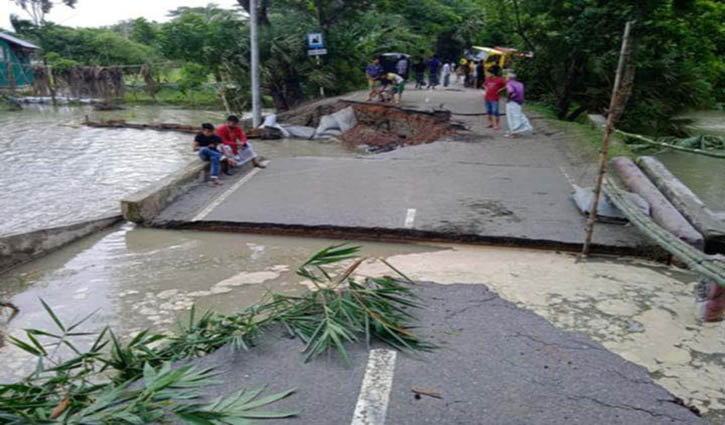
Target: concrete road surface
497, 364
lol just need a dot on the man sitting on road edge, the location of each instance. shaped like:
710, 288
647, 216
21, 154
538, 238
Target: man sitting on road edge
236, 144
206, 143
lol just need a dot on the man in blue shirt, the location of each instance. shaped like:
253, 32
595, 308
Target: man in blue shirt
374, 71
434, 64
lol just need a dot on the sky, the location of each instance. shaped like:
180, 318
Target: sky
96, 13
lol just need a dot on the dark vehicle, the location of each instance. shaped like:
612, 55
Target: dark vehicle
389, 61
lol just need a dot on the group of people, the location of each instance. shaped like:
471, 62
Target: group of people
494, 86
473, 73
381, 81
437, 71
224, 148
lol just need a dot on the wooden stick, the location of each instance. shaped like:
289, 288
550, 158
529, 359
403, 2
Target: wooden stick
624, 56
419, 392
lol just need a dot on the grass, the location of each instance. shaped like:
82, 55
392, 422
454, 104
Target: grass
133, 382
590, 138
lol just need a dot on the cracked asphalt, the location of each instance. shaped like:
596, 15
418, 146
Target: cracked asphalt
496, 364
473, 186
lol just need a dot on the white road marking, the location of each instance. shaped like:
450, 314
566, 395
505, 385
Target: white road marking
568, 178
223, 197
409, 218
372, 403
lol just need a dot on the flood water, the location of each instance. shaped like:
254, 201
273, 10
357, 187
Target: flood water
55, 171
704, 175
137, 278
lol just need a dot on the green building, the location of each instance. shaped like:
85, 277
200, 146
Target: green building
15, 70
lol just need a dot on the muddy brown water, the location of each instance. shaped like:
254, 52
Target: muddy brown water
56, 172
136, 278
704, 175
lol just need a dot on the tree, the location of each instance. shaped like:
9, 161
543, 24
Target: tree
143, 31
38, 9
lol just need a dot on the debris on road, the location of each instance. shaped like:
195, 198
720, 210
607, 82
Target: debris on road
419, 392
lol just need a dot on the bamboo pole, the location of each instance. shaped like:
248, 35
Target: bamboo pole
696, 260
624, 57
713, 154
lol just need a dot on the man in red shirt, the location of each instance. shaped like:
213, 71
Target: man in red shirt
235, 141
493, 85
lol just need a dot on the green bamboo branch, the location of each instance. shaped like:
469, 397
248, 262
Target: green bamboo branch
713, 154
695, 260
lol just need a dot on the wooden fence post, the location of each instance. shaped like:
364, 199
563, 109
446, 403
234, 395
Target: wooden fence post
624, 57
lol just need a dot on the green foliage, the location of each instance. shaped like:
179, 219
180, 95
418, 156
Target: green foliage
87, 46
144, 32
192, 77
679, 55
117, 382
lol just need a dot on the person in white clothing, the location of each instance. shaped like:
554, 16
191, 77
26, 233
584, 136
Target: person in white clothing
446, 74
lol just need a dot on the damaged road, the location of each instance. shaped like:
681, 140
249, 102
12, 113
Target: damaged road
521, 371
480, 188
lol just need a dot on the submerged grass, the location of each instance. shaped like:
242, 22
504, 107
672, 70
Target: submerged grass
133, 382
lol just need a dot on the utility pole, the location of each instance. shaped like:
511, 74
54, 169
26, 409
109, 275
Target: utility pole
624, 58
256, 99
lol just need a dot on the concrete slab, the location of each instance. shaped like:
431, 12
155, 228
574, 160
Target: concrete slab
21, 248
476, 186
455, 194
497, 364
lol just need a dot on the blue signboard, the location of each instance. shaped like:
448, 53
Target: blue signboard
315, 41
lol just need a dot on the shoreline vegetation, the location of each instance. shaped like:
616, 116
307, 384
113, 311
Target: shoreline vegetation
678, 63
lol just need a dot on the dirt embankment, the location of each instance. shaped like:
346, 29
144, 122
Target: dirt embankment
379, 126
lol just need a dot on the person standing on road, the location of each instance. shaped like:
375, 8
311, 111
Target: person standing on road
434, 65
419, 70
480, 75
206, 144
401, 67
374, 71
517, 121
493, 86
236, 144
446, 74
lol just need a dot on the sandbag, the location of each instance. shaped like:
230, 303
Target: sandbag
328, 127
299, 131
345, 119
606, 211
270, 121
686, 202
661, 210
